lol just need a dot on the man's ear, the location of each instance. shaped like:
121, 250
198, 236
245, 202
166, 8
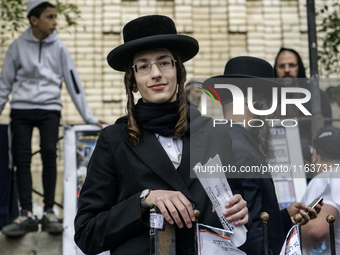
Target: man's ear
33, 20
315, 156
134, 88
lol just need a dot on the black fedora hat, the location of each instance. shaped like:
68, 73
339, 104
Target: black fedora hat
148, 32
238, 72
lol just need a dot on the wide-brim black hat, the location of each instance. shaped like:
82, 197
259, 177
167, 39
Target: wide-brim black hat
245, 72
151, 32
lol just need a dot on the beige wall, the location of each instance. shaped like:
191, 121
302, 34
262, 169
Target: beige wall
224, 29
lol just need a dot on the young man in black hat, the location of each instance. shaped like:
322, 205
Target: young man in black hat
250, 135
143, 160
326, 184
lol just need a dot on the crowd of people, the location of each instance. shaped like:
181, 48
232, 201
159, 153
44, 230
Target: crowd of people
144, 159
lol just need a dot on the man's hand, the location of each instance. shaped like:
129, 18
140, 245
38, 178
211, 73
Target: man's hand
100, 123
237, 210
303, 209
172, 205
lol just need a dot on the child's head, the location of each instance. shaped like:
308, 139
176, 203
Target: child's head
36, 7
42, 16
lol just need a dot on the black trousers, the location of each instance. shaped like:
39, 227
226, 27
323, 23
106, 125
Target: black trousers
22, 124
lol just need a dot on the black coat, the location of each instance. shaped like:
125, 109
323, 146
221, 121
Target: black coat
109, 215
259, 192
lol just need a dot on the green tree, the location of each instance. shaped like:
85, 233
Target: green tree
13, 17
329, 36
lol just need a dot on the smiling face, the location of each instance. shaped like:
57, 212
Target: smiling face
158, 86
45, 24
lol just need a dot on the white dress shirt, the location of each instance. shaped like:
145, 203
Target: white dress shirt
173, 147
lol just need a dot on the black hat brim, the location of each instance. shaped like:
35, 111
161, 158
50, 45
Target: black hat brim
243, 82
120, 57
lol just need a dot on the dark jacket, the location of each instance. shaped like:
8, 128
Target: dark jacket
259, 192
326, 110
109, 215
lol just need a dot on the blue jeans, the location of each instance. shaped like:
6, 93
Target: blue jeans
22, 124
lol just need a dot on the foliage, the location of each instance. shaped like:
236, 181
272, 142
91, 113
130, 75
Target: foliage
329, 35
13, 17
70, 13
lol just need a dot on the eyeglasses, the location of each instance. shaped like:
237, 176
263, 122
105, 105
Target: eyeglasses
290, 65
144, 66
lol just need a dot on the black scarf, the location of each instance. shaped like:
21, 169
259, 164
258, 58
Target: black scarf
156, 118
162, 118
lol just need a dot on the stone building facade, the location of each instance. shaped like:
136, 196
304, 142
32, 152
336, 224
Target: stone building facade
224, 29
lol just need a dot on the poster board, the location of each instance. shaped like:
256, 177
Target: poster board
290, 183
79, 143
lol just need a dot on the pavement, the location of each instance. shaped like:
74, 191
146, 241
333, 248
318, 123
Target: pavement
33, 243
